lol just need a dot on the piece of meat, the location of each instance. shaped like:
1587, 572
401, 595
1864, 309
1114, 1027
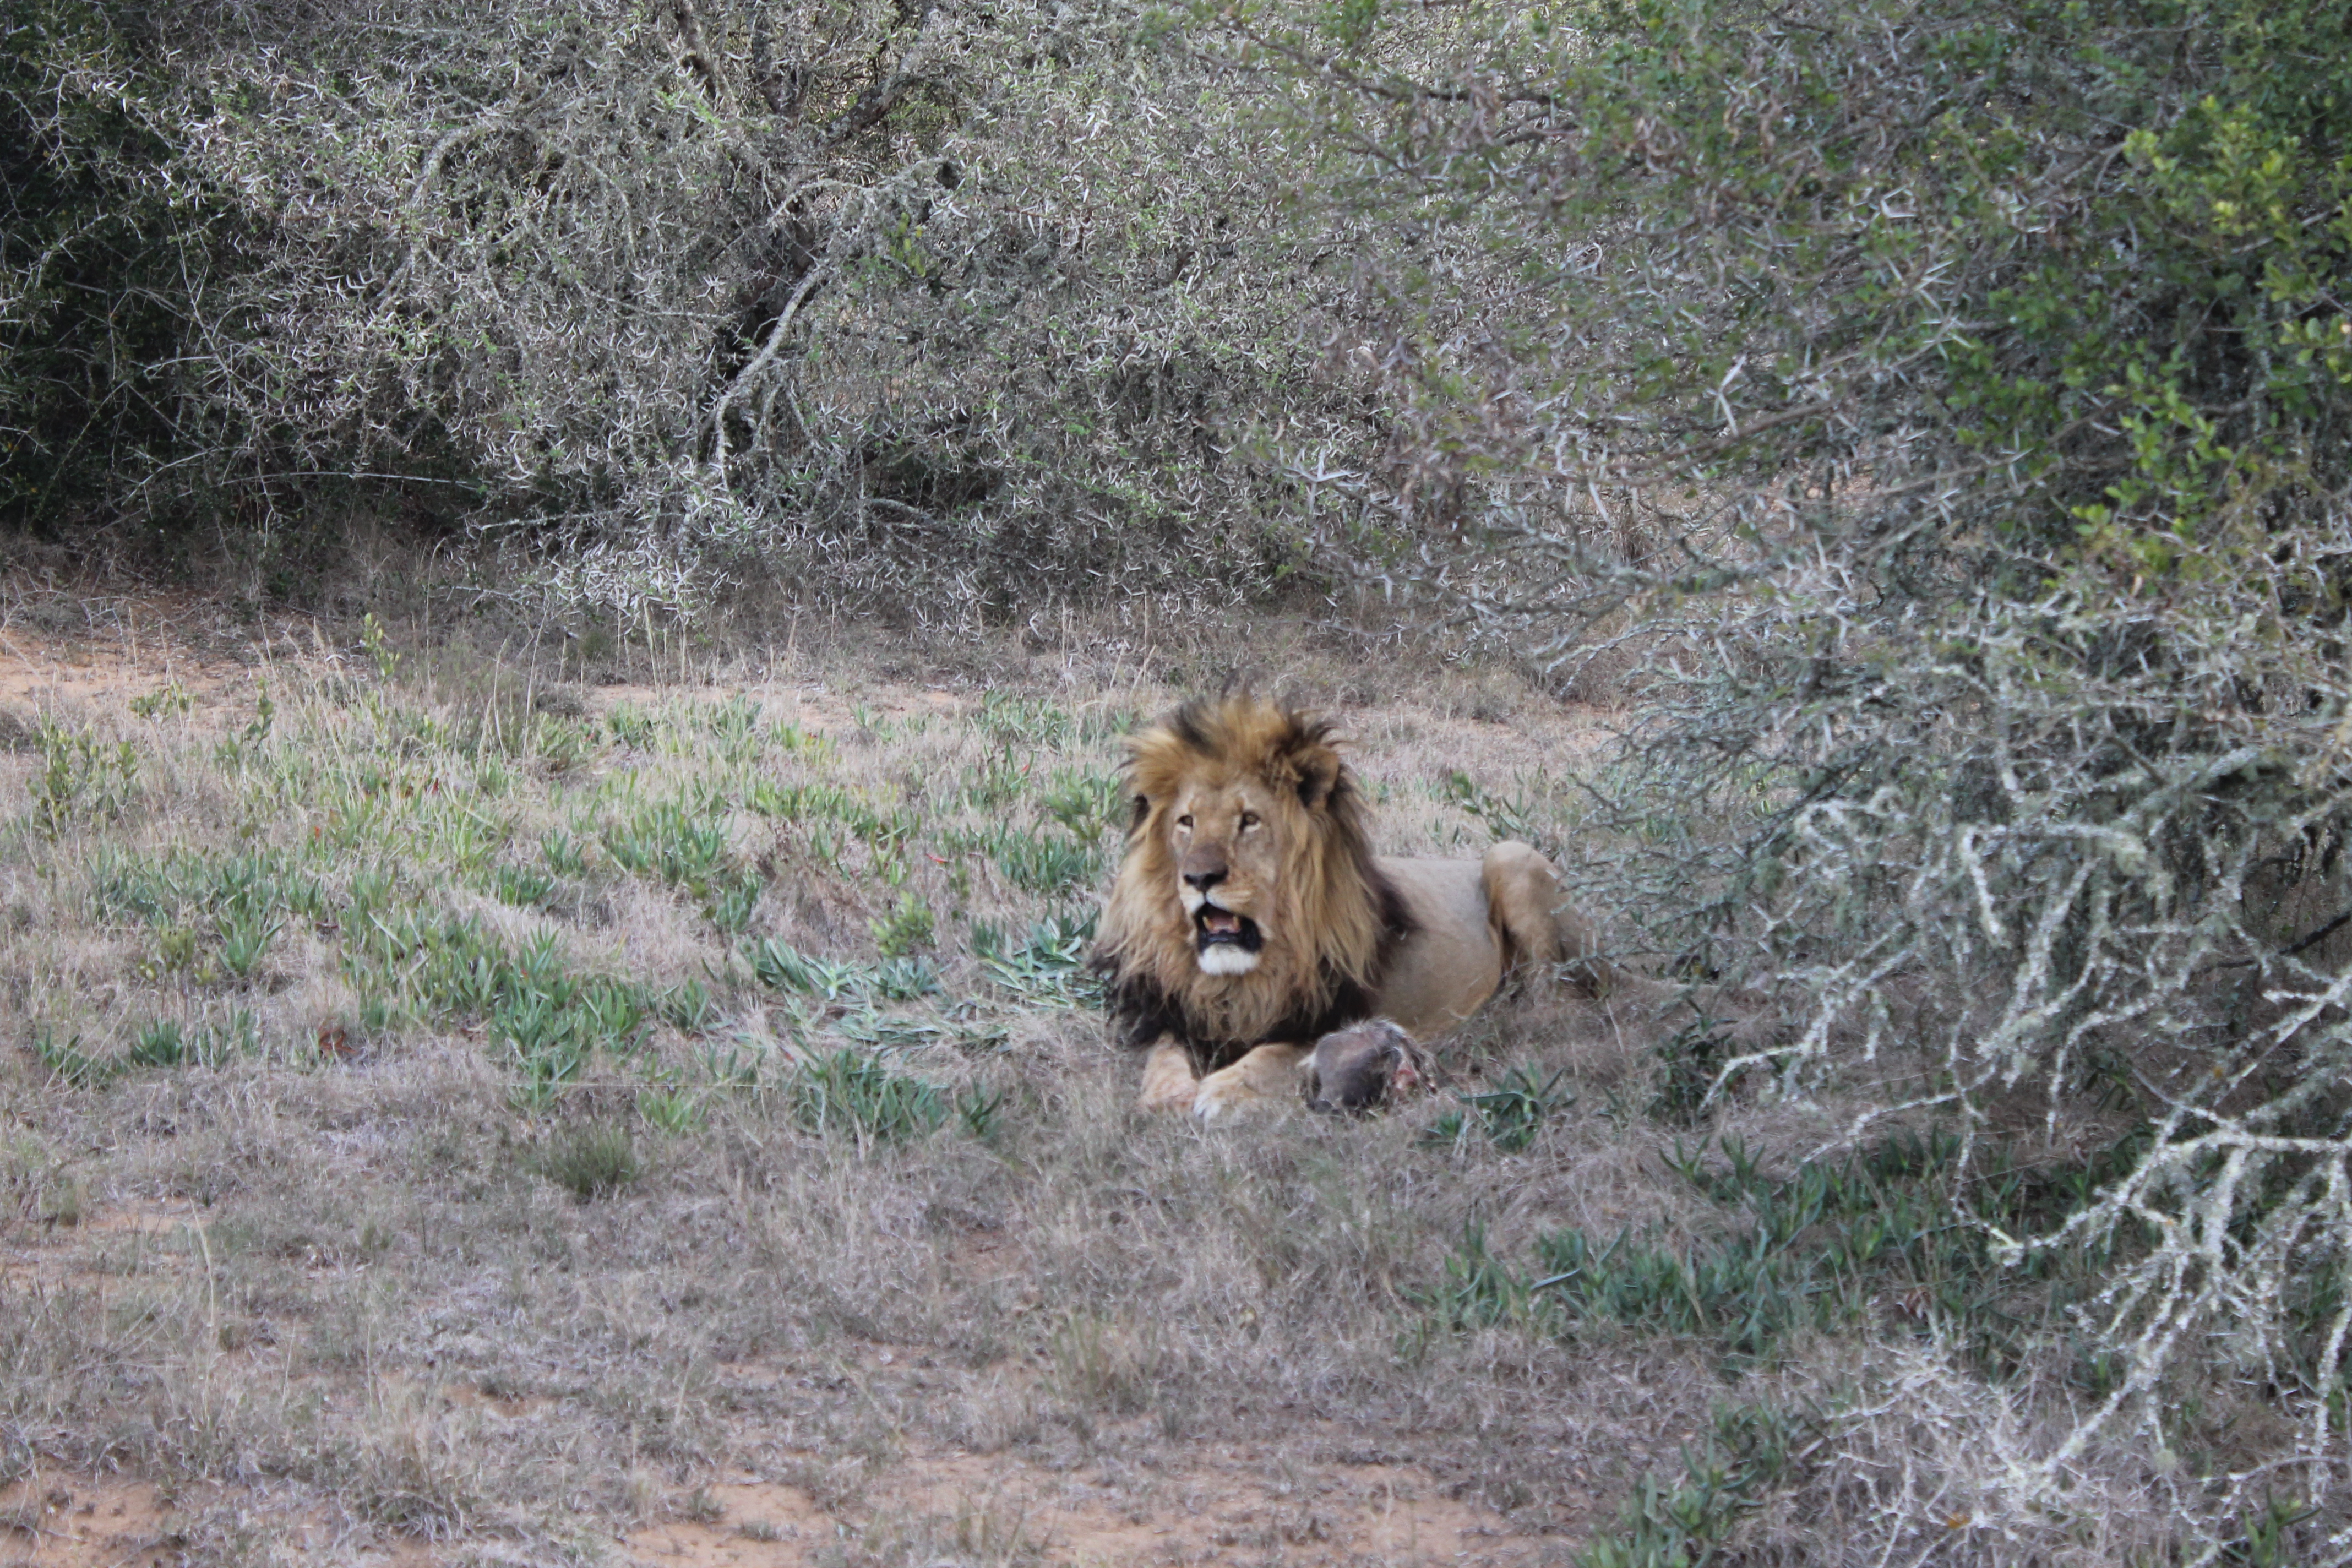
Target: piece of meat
1360, 1067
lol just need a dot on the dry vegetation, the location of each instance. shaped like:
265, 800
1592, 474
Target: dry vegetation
455, 1114
647, 1093
466, 1119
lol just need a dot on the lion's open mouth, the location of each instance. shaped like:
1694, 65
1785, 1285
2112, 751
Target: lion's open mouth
1214, 927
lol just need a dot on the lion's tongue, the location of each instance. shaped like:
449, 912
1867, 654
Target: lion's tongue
1223, 922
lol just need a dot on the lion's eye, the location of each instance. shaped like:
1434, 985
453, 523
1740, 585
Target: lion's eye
1249, 820
1185, 822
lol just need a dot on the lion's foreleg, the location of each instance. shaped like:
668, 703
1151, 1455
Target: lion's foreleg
1168, 1080
1267, 1078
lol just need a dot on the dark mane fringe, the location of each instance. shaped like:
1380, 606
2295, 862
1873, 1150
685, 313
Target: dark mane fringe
1141, 1015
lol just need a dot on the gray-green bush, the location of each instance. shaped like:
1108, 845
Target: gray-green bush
1952, 399
955, 309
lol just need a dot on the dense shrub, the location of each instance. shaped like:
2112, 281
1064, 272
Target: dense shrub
105, 252
964, 309
1953, 397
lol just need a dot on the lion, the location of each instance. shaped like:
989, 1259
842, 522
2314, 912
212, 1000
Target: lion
1250, 917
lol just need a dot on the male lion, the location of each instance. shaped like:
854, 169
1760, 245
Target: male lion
1250, 916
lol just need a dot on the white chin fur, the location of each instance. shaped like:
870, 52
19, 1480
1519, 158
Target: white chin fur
1222, 959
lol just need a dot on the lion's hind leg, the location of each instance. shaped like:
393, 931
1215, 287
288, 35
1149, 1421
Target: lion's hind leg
1533, 923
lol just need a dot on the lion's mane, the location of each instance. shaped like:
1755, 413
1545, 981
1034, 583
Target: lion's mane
1340, 917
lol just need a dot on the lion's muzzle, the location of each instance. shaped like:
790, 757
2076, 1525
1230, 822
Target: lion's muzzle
1225, 941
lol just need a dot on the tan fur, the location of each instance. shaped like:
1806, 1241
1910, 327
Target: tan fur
1324, 903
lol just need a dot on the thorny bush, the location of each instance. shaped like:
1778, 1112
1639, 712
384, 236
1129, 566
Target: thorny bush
956, 309
1952, 401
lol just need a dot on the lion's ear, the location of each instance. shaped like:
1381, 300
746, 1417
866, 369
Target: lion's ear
1142, 810
1319, 775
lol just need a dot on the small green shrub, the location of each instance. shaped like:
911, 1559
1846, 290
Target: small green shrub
687, 1008
1048, 864
905, 928
591, 1162
522, 887
980, 1112
1690, 1059
245, 941
171, 699
632, 728
781, 966
548, 1021
1817, 1250
2268, 1540
1479, 1290
1026, 722
670, 841
1088, 805
1511, 1114
81, 777
900, 980
171, 1042
1047, 966
675, 1112
67, 1058
730, 903
1752, 1450
734, 729
852, 1092
161, 1044
565, 856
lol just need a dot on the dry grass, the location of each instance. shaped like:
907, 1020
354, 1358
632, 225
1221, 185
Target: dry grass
482, 1120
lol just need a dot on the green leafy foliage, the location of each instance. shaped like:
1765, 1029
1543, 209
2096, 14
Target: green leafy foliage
1046, 965
1883, 1232
850, 1092
165, 1042
546, 1021
783, 967
1509, 1114
522, 886
81, 777
907, 927
1752, 1449
668, 840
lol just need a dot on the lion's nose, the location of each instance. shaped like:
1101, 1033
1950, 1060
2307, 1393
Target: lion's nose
1204, 878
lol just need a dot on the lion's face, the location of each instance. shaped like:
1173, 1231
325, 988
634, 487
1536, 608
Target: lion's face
1247, 896
1224, 848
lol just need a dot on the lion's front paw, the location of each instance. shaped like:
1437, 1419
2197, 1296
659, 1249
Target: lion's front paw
1265, 1080
1225, 1095
1167, 1081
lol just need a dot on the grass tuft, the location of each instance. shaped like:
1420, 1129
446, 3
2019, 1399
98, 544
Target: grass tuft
1751, 1451
1511, 1114
592, 1160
